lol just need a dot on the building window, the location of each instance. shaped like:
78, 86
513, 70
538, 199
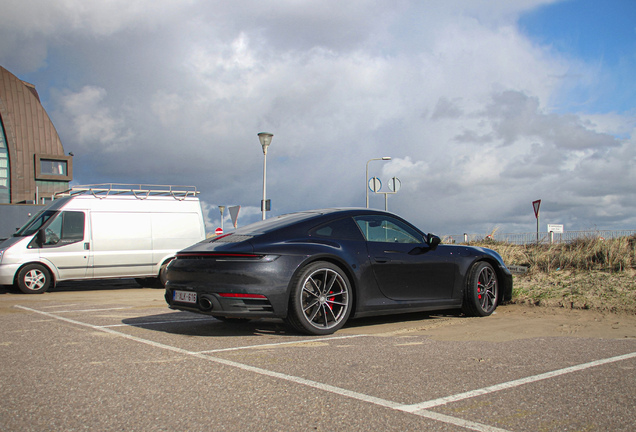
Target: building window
53, 167
49, 167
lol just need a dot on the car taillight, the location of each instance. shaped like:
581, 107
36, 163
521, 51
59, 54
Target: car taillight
242, 296
215, 255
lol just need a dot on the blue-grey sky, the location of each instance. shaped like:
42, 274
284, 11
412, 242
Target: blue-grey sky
483, 105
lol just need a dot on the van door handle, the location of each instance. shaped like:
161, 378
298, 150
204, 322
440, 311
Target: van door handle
381, 259
87, 246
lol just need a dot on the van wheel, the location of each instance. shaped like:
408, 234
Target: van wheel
33, 279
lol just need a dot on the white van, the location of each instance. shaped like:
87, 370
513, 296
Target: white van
103, 231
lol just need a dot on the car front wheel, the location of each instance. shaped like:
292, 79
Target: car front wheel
33, 279
482, 290
321, 299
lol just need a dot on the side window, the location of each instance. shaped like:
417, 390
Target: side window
66, 228
386, 229
73, 226
343, 229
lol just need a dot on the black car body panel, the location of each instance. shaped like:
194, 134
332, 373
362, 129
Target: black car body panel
250, 273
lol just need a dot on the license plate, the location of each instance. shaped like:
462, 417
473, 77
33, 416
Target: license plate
185, 297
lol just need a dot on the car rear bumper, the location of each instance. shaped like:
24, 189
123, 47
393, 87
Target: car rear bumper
217, 305
233, 287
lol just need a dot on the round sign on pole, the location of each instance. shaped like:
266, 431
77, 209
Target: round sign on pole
218, 231
375, 184
395, 184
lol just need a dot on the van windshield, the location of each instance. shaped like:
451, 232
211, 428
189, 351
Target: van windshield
35, 223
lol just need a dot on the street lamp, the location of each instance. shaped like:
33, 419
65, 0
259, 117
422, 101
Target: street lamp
265, 139
366, 178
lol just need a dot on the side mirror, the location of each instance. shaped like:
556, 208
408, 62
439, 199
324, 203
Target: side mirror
40, 237
433, 240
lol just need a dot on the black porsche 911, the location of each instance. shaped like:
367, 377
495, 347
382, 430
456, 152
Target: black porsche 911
316, 269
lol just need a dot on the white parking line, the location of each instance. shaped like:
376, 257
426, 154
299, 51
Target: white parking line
299, 342
91, 310
420, 409
141, 324
512, 384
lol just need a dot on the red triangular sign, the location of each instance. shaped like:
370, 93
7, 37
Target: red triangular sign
536, 204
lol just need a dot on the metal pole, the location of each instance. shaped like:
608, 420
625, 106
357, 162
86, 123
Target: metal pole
366, 182
264, 181
537, 227
265, 139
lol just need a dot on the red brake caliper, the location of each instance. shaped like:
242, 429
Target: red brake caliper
330, 299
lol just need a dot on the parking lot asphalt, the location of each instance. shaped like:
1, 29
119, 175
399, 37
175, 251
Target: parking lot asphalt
111, 356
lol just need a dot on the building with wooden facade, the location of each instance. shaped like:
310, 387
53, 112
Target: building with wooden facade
33, 165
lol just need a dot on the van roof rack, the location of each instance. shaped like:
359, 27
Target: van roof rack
139, 191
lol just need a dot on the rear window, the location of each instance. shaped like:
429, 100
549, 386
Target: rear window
343, 229
274, 223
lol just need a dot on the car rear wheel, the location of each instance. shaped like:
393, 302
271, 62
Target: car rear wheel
482, 291
321, 299
33, 279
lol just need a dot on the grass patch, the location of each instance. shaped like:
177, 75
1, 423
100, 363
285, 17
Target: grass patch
583, 274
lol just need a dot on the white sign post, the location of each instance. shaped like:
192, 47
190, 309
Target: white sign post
554, 228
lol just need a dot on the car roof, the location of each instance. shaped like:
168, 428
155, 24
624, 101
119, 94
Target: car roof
289, 219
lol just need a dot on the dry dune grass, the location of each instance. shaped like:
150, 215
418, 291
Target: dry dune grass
584, 274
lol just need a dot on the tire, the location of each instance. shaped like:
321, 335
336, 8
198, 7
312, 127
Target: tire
33, 279
321, 299
482, 291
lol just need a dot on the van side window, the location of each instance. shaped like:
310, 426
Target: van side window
73, 226
66, 228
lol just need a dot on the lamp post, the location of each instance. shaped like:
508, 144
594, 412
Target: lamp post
221, 209
265, 139
366, 178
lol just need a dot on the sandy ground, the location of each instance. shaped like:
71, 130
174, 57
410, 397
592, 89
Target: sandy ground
512, 322
509, 322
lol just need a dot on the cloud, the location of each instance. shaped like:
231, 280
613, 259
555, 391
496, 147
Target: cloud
30, 27
91, 122
175, 92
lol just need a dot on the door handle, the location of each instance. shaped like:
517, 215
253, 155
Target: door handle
381, 260
87, 246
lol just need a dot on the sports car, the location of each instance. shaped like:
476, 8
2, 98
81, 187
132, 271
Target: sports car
317, 269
